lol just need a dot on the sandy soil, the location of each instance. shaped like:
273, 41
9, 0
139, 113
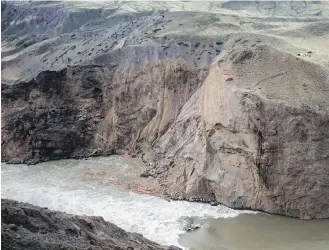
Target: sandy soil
127, 178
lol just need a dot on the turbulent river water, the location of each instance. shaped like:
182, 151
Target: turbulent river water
79, 187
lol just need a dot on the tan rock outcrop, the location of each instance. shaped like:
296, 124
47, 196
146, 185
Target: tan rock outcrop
255, 135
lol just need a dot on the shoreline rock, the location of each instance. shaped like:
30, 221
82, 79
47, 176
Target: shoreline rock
25, 226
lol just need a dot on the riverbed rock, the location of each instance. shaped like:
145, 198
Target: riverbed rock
24, 226
188, 224
145, 174
214, 203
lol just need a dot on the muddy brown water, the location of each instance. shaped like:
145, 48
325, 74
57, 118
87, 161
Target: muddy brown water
258, 232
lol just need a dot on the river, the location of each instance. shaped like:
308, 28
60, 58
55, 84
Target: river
86, 187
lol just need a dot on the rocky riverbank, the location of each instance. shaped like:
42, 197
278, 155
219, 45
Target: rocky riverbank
246, 140
239, 118
24, 226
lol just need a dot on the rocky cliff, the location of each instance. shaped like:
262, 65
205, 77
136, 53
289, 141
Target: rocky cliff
253, 136
24, 226
91, 110
250, 136
244, 122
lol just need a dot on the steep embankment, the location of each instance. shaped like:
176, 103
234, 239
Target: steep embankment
24, 226
91, 110
255, 135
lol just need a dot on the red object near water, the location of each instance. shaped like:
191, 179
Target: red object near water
126, 155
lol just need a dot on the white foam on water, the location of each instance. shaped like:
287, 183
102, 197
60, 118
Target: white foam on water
59, 185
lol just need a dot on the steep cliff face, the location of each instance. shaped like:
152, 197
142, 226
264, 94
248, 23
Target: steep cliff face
145, 102
91, 110
253, 136
47, 118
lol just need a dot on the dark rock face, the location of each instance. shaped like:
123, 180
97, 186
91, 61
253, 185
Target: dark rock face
24, 226
50, 133
48, 118
94, 110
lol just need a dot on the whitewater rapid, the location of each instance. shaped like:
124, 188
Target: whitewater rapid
61, 185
